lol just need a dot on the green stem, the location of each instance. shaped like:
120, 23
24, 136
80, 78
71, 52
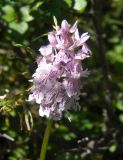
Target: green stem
45, 140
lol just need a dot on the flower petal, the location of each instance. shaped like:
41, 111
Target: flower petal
73, 28
46, 50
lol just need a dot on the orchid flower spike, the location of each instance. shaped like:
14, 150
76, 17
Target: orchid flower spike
56, 81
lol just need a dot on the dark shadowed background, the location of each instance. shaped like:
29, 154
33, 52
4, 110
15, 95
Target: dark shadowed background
96, 131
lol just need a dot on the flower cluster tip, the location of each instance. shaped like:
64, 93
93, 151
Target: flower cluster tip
59, 72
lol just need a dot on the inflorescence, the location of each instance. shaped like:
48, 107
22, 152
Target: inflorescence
58, 75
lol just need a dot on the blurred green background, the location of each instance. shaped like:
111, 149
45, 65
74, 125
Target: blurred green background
95, 132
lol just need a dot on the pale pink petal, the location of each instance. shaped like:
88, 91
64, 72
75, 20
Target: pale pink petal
44, 111
65, 25
52, 39
73, 28
46, 50
77, 37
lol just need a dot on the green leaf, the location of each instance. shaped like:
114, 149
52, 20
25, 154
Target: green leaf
69, 136
37, 5
116, 55
121, 117
113, 148
20, 27
119, 105
68, 2
87, 124
27, 1
25, 11
9, 13
80, 5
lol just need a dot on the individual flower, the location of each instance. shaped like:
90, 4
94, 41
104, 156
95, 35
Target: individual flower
57, 79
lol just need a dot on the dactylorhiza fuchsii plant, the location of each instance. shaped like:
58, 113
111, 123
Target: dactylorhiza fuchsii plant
57, 79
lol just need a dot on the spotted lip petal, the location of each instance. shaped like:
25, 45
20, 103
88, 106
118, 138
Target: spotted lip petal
57, 77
